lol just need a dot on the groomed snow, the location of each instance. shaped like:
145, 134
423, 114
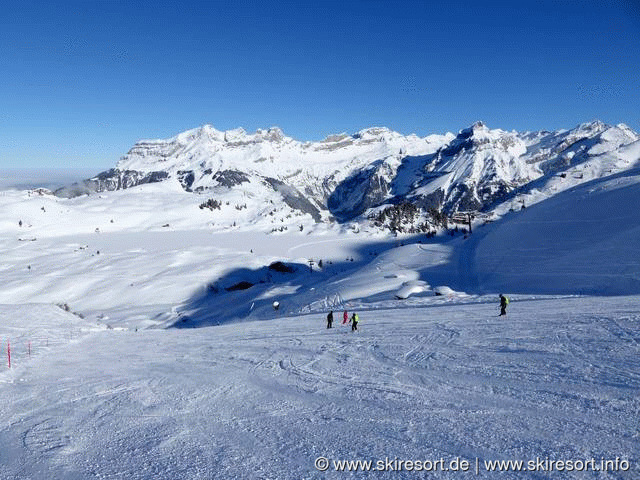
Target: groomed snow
555, 378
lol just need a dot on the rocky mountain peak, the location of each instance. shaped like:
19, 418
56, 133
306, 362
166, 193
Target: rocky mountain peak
347, 176
475, 129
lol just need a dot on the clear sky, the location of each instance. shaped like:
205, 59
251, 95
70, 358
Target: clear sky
81, 82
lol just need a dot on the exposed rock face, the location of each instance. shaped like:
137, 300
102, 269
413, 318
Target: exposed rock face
229, 178
294, 198
364, 189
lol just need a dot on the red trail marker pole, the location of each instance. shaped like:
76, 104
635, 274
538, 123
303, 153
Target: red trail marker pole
9, 352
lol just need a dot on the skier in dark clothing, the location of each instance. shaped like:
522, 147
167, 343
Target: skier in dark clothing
504, 301
330, 319
354, 322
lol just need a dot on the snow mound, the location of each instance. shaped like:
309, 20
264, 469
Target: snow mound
411, 288
447, 292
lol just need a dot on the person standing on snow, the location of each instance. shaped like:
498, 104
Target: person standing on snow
345, 317
330, 319
504, 301
354, 322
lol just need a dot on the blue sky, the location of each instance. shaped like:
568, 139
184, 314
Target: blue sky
80, 82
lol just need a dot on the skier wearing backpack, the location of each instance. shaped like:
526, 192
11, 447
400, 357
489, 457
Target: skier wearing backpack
354, 322
330, 319
504, 301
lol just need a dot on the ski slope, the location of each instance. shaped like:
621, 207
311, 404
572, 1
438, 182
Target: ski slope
556, 378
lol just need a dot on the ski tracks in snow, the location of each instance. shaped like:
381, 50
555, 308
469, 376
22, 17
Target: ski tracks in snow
264, 399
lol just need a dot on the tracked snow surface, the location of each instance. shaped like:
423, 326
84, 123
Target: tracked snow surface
145, 345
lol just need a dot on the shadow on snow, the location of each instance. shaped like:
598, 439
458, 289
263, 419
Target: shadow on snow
249, 294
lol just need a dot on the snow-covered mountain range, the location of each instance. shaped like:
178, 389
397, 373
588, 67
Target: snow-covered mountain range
356, 177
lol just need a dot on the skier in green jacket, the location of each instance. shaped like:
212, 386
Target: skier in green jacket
354, 322
504, 301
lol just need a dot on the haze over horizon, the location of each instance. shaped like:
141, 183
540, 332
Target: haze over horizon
82, 82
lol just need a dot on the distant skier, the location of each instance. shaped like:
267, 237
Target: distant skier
504, 301
354, 322
345, 317
330, 319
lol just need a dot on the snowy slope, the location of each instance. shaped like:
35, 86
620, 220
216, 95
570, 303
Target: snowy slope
266, 399
585, 240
